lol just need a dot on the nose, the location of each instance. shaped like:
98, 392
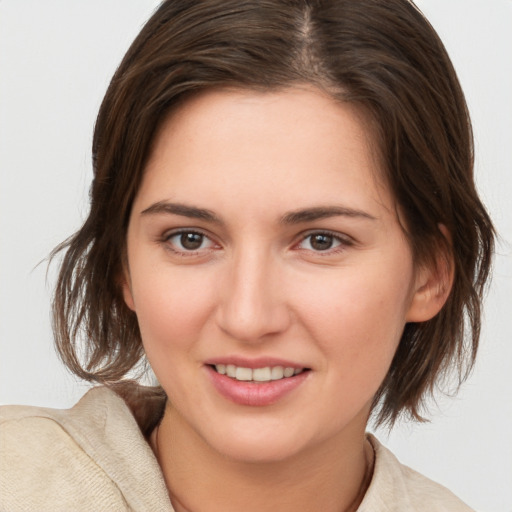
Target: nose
253, 305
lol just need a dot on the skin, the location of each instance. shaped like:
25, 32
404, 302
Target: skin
257, 286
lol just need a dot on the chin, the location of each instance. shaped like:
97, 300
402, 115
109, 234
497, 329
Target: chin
258, 451
260, 441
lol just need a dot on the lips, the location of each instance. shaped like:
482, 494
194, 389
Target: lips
256, 382
265, 374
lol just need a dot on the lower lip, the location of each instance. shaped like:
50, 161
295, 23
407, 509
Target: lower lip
256, 394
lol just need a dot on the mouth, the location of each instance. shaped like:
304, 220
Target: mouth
257, 375
255, 382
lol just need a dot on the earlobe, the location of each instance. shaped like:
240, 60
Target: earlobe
428, 300
433, 285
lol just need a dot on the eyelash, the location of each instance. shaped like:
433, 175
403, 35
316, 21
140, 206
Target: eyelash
180, 232
342, 241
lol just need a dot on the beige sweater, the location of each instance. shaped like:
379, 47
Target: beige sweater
94, 457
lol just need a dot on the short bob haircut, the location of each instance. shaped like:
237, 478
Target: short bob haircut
381, 55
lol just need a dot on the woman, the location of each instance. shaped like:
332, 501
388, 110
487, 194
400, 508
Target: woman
290, 233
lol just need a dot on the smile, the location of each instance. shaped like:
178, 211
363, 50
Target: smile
264, 374
257, 386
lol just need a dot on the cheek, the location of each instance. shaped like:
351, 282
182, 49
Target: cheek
357, 320
358, 301
172, 308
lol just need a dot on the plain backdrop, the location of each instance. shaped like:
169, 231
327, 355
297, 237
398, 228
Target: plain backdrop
56, 59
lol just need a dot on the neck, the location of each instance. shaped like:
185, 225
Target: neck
332, 476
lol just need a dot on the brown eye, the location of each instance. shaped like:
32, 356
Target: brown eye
321, 242
191, 241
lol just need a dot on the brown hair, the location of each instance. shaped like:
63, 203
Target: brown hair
380, 54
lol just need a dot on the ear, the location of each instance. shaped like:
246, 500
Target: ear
433, 283
126, 287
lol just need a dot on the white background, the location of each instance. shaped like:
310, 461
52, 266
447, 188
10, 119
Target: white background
56, 58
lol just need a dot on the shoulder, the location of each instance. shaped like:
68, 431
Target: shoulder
92, 456
396, 487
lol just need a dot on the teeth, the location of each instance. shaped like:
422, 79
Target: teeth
265, 374
288, 372
243, 373
277, 373
262, 374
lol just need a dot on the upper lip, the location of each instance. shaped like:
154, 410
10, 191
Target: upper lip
258, 362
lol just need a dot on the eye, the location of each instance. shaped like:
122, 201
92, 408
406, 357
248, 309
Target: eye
323, 242
188, 241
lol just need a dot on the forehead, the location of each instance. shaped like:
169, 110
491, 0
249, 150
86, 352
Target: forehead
299, 140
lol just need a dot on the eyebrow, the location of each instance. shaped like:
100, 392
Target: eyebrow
294, 217
181, 209
323, 212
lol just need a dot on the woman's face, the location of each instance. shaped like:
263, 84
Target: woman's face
262, 242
